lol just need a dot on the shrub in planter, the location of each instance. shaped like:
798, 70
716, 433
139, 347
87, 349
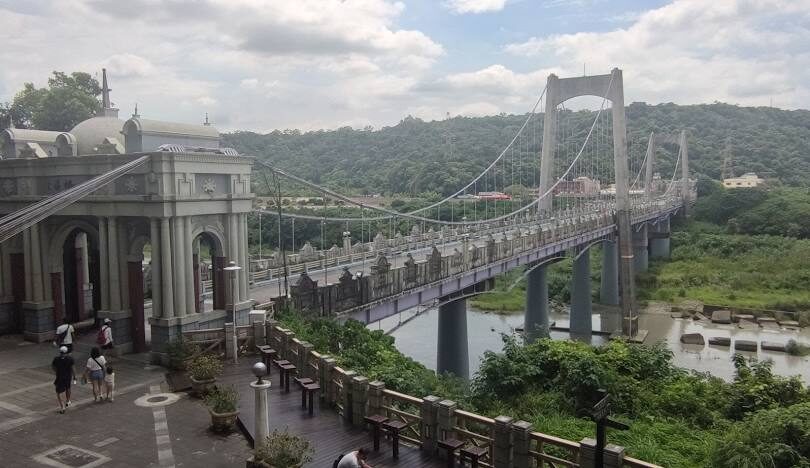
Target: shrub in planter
203, 371
283, 450
180, 353
222, 405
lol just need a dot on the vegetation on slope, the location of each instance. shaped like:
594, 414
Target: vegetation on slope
414, 156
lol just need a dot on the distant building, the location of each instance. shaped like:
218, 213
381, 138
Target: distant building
105, 133
493, 196
578, 187
747, 180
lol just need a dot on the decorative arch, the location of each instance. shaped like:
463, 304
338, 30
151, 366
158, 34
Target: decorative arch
60, 235
135, 252
587, 248
212, 234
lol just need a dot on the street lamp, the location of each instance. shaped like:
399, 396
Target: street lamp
233, 268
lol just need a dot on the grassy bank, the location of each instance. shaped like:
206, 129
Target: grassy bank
761, 272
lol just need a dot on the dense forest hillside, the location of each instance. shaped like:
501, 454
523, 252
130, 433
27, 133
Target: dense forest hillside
440, 156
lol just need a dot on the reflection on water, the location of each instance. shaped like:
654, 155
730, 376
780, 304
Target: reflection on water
417, 339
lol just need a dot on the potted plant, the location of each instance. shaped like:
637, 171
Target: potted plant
203, 371
282, 450
222, 405
180, 353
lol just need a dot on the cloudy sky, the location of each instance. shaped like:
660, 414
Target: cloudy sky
267, 64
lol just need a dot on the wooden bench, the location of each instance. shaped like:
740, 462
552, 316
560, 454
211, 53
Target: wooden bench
268, 355
310, 390
376, 421
473, 453
302, 382
393, 428
279, 363
450, 446
286, 370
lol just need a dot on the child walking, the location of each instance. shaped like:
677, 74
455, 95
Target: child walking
109, 383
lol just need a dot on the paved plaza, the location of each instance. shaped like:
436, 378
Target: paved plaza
118, 434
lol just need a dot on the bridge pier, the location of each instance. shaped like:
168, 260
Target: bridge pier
609, 290
580, 317
659, 240
640, 255
452, 355
535, 321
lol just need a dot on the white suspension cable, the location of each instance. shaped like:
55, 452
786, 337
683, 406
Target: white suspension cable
449, 223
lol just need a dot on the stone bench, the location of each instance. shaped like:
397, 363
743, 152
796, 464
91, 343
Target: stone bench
693, 339
745, 345
720, 341
771, 346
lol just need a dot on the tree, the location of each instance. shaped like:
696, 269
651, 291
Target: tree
68, 100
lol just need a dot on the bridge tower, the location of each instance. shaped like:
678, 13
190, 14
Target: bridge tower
559, 90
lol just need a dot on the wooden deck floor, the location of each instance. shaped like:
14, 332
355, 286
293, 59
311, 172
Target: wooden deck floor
329, 434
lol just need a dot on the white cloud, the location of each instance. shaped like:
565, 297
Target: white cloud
129, 65
475, 6
265, 64
249, 83
741, 51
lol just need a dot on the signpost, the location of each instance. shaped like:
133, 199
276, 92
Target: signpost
599, 414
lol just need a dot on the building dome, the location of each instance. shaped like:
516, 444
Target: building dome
92, 133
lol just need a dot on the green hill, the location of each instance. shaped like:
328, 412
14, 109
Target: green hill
416, 156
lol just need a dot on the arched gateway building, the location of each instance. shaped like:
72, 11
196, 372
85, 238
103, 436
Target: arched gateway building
188, 203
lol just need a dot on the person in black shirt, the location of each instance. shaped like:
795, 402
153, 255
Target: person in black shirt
63, 368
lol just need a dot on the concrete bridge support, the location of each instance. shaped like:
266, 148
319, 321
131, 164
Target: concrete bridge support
609, 291
535, 322
452, 355
640, 243
580, 327
659, 240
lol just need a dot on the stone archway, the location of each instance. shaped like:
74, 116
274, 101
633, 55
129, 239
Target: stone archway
73, 270
207, 244
137, 291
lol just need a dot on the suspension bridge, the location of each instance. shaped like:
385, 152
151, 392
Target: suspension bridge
586, 195
90, 221
76, 230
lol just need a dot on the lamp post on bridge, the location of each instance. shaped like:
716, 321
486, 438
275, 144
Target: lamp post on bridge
232, 269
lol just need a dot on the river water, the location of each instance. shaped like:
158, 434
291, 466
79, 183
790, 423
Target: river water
417, 339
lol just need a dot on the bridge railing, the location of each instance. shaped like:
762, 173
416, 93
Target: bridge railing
476, 431
401, 407
547, 450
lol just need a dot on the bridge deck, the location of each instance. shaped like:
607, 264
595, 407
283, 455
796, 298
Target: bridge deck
329, 434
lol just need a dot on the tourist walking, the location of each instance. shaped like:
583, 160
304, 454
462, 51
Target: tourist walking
64, 335
94, 372
109, 382
356, 459
65, 375
105, 336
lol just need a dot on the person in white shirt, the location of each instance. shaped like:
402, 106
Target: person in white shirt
109, 382
64, 335
356, 459
107, 335
94, 372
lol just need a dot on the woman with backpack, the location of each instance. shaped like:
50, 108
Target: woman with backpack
105, 337
94, 372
